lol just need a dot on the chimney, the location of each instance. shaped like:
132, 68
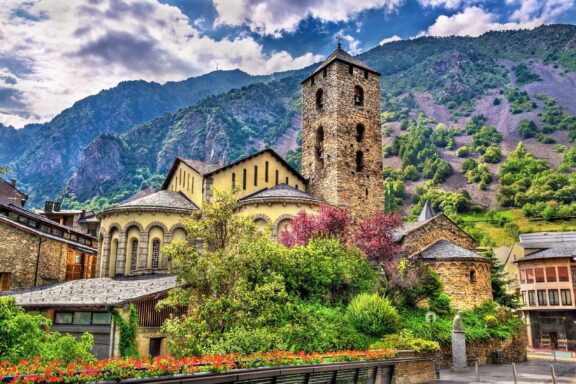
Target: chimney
83, 214
48, 206
57, 205
13, 182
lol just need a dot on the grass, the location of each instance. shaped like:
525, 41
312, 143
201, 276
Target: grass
501, 236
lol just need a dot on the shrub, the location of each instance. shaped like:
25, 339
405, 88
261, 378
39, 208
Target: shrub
411, 173
373, 314
491, 320
463, 151
492, 154
440, 304
527, 129
401, 342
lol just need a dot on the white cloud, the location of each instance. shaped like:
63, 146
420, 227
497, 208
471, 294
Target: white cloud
274, 17
389, 39
474, 21
53, 53
351, 44
449, 4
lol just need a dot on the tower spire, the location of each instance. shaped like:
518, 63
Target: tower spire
339, 38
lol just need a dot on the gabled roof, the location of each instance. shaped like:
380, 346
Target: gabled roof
410, 227
444, 249
23, 196
41, 226
172, 200
341, 55
282, 192
551, 250
427, 212
209, 169
95, 292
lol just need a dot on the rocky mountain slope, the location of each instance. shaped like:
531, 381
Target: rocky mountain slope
450, 80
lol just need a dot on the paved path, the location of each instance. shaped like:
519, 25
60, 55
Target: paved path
528, 372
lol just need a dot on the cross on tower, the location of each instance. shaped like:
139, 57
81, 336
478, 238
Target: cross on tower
339, 38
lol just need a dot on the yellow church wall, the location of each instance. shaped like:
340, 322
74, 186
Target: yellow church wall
189, 182
273, 215
133, 223
223, 180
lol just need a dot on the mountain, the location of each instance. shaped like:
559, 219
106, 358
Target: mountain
500, 79
44, 156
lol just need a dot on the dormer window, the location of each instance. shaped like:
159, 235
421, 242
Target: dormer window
319, 99
358, 95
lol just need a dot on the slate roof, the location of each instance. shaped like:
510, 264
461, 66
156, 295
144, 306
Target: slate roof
341, 55
444, 249
162, 200
427, 212
94, 292
281, 192
553, 250
201, 167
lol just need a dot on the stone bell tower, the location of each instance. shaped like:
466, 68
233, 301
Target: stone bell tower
342, 142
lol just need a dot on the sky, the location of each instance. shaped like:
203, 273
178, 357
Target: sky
56, 52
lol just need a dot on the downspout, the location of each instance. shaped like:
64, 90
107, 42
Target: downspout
40, 241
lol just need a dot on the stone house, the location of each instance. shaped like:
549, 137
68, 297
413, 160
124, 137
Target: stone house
9, 194
450, 251
79, 219
37, 251
86, 305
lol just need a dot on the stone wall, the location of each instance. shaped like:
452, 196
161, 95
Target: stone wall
513, 351
330, 164
143, 341
437, 228
414, 371
464, 292
20, 254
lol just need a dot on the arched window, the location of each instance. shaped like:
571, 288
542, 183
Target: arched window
134, 255
155, 253
319, 98
359, 133
472, 276
358, 95
359, 161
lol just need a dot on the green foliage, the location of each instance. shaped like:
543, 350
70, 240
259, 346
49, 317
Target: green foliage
373, 315
524, 75
450, 203
554, 119
463, 151
426, 283
528, 183
527, 129
24, 336
240, 283
128, 330
486, 136
475, 327
499, 280
394, 189
492, 155
406, 342
419, 154
519, 100
441, 305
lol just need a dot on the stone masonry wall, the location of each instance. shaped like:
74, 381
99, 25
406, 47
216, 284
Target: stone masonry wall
334, 178
513, 351
414, 371
464, 293
437, 228
19, 255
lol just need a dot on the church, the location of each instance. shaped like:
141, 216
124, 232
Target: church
341, 166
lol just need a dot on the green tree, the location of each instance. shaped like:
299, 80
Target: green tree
24, 336
499, 280
411, 173
249, 294
527, 129
492, 154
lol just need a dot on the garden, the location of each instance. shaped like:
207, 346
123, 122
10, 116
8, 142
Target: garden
330, 284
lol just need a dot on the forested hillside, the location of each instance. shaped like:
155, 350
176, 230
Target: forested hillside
453, 108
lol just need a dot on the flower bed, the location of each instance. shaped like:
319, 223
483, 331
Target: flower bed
38, 371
